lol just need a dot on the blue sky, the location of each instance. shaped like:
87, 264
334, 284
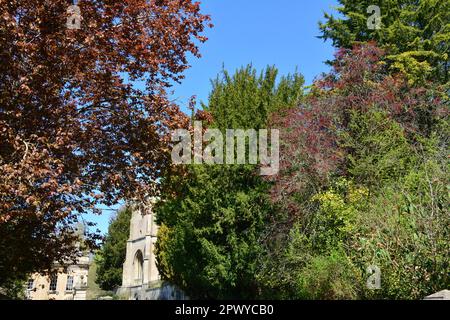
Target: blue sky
262, 32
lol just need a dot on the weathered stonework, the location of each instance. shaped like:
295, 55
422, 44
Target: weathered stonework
69, 282
141, 279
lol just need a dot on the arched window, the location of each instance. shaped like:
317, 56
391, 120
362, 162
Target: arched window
138, 268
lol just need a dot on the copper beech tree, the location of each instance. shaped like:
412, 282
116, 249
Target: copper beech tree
84, 115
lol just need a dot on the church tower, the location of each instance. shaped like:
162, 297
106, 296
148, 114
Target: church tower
139, 269
141, 279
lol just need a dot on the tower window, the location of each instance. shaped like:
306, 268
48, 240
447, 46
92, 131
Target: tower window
138, 268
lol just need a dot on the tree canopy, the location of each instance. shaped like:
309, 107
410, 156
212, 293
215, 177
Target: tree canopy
358, 209
212, 224
362, 183
74, 130
415, 33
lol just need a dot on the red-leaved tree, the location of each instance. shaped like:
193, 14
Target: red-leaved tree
312, 150
84, 117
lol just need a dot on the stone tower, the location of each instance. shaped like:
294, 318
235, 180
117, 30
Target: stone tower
141, 280
139, 270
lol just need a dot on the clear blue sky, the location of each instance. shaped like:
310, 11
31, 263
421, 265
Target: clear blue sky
262, 32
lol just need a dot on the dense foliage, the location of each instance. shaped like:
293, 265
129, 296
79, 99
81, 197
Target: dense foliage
212, 223
111, 257
74, 130
364, 182
415, 33
363, 186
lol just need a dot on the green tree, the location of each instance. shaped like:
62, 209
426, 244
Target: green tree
415, 33
245, 100
365, 182
111, 256
13, 289
209, 244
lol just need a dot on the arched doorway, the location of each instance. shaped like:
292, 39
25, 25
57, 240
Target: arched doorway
138, 265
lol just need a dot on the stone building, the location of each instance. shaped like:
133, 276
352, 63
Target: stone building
141, 279
67, 283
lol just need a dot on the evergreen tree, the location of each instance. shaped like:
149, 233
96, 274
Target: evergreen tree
416, 33
111, 256
246, 100
209, 242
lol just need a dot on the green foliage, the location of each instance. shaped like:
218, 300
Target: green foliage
404, 227
314, 264
338, 209
246, 100
391, 210
94, 292
379, 151
209, 243
405, 232
415, 33
331, 276
13, 289
111, 256
382, 202
162, 252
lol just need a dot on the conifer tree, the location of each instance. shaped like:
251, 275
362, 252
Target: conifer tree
212, 221
111, 257
415, 33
